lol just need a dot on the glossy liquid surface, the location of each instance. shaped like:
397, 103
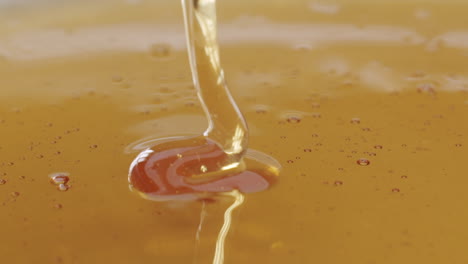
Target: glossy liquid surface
214, 163
324, 88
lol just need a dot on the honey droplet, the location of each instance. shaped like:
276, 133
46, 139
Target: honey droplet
363, 162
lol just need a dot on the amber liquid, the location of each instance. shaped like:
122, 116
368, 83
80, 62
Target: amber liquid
321, 87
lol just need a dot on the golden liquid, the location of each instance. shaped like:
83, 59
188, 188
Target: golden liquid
320, 87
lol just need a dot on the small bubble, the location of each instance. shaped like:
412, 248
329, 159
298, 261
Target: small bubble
372, 154
426, 88
160, 50
315, 135
298, 158
14, 194
458, 145
418, 75
316, 115
290, 161
117, 79
10, 163
355, 120
63, 187
338, 183
59, 178
3, 181
40, 156
293, 119
404, 177
395, 190
189, 104
308, 150
93, 146
179, 155
261, 109
58, 206
366, 129
378, 147
203, 169
315, 105
363, 162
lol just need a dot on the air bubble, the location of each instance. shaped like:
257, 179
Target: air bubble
63, 187
117, 79
59, 178
308, 150
3, 181
363, 162
290, 161
160, 50
293, 119
378, 147
395, 190
426, 88
315, 105
458, 145
355, 120
58, 206
14, 194
373, 154
338, 183
203, 169
93, 146
404, 177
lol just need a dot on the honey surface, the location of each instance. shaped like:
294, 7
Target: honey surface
364, 104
